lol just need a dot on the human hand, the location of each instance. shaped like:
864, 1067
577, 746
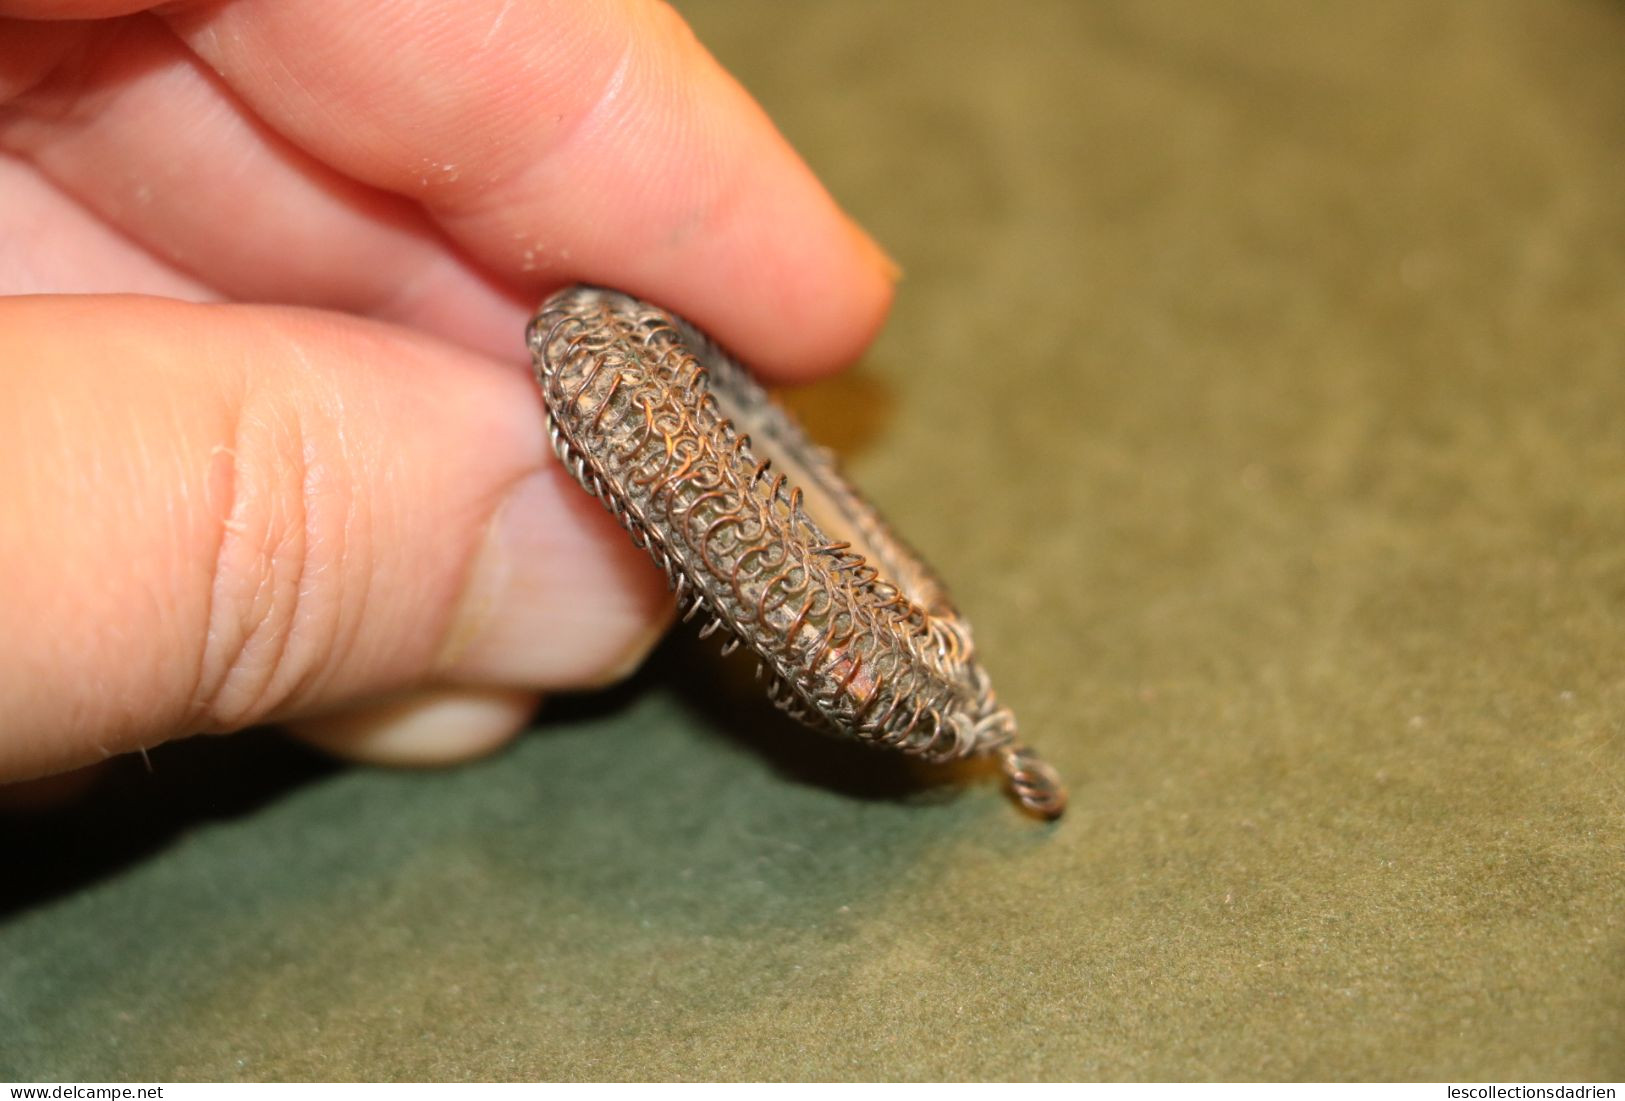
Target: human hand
307, 479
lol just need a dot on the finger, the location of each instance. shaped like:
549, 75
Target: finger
135, 128
29, 51
50, 244
47, 793
559, 141
222, 515
425, 729
71, 9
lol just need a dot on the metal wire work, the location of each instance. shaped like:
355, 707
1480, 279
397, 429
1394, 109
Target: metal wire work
759, 535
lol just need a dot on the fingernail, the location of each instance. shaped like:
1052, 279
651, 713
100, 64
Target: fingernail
427, 729
889, 268
558, 597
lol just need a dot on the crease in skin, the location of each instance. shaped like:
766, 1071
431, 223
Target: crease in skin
272, 630
333, 530
496, 24
220, 500
245, 597
51, 243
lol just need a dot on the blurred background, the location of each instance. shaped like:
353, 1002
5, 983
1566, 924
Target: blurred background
1255, 383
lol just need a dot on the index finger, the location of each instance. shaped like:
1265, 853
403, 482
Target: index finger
559, 141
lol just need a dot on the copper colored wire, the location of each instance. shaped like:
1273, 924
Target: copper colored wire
715, 480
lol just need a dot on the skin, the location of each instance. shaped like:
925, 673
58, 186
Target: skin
272, 450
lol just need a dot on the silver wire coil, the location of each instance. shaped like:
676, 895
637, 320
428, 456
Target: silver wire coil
758, 532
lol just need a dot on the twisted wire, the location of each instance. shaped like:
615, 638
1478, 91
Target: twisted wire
861, 639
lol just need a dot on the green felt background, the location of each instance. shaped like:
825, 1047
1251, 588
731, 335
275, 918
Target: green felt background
1256, 382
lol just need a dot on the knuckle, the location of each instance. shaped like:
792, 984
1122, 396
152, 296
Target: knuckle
276, 607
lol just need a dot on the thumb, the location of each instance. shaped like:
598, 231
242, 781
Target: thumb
223, 515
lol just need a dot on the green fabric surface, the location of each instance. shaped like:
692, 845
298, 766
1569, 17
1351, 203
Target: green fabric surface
1255, 383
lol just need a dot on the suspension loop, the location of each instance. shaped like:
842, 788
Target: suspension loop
1032, 782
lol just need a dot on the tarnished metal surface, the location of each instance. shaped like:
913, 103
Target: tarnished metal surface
761, 536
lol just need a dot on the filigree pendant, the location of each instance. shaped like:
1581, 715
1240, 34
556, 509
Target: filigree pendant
760, 535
